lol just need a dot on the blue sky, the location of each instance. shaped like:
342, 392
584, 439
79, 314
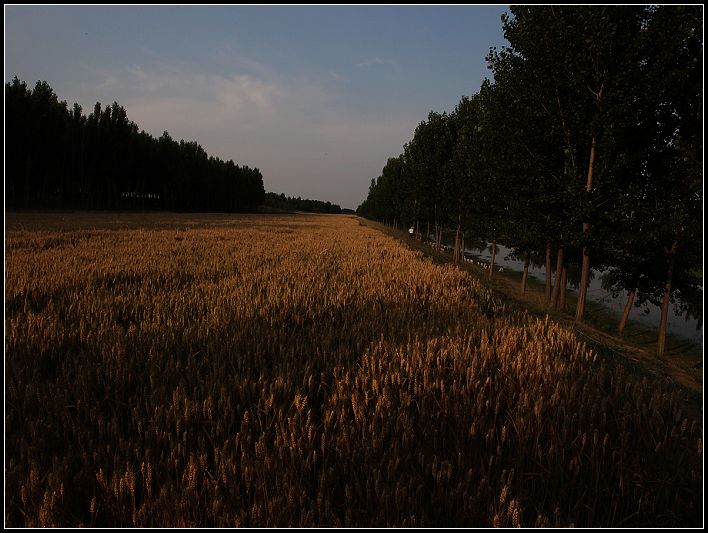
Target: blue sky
316, 97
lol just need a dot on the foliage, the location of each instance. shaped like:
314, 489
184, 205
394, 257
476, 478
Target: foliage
287, 203
622, 84
57, 157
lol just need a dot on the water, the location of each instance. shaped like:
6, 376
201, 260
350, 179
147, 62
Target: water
649, 315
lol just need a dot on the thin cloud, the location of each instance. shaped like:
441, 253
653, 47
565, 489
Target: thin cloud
286, 126
371, 62
169, 93
336, 76
389, 68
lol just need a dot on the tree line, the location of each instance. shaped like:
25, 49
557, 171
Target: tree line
290, 203
585, 147
57, 157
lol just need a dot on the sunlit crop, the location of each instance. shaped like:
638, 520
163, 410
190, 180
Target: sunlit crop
309, 371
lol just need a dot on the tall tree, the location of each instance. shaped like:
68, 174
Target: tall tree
580, 55
60, 158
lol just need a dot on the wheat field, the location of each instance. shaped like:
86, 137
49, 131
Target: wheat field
304, 370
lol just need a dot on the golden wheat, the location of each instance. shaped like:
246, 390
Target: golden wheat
172, 370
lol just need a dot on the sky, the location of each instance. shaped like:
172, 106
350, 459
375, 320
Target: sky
316, 97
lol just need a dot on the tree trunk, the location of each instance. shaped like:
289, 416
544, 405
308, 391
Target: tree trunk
82, 172
524, 276
417, 232
63, 180
28, 166
427, 232
556, 283
661, 345
564, 284
462, 247
585, 272
457, 242
625, 313
491, 260
584, 280
548, 272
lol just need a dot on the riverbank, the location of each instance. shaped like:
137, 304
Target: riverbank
647, 315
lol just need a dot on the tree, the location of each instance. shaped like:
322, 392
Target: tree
588, 139
60, 158
583, 58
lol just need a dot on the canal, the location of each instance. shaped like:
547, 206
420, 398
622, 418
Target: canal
686, 327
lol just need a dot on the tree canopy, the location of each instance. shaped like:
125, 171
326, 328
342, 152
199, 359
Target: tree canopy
587, 141
58, 157
289, 203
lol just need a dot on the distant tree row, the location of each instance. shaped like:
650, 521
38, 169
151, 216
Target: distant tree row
58, 157
289, 203
586, 146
